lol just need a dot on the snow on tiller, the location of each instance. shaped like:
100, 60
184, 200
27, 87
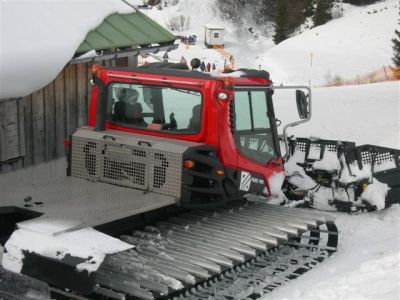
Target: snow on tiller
338, 175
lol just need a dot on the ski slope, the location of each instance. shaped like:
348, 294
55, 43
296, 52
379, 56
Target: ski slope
355, 44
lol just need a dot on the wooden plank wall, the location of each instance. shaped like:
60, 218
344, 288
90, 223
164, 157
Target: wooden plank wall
33, 128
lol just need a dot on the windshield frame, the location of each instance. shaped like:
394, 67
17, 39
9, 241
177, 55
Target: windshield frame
268, 91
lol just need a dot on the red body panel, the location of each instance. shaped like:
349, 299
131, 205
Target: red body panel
215, 124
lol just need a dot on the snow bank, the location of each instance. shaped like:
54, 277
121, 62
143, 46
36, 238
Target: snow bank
38, 38
86, 243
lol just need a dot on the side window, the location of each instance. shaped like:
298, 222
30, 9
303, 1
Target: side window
242, 111
216, 35
155, 108
253, 136
260, 111
251, 110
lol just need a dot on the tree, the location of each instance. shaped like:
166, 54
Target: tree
309, 8
280, 22
153, 2
323, 12
396, 47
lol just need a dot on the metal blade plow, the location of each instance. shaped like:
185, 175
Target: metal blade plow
237, 252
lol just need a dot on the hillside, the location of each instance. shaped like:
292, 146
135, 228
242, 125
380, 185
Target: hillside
355, 44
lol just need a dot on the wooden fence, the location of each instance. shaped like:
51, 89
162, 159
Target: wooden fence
33, 128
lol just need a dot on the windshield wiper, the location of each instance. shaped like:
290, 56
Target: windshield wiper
186, 91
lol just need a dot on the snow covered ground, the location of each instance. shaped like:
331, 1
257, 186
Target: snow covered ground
366, 265
366, 114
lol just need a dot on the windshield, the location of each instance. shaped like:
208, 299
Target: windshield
252, 127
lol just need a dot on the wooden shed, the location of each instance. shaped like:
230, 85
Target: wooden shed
213, 35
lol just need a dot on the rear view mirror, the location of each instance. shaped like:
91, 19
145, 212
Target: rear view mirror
302, 104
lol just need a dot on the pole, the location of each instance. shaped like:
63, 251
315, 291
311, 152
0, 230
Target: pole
311, 64
384, 70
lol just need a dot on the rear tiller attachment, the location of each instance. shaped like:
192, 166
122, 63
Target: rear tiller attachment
338, 175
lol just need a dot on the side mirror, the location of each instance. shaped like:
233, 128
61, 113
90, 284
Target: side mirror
302, 104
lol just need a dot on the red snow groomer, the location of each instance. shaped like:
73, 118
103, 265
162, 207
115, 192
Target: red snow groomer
155, 204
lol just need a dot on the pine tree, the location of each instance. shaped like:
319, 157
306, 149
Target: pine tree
396, 48
308, 8
280, 22
322, 12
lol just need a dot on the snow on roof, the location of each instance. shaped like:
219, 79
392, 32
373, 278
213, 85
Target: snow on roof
214, 26
38, 38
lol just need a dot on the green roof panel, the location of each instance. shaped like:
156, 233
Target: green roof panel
122, 30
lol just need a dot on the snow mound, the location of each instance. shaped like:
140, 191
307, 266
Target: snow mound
38, 38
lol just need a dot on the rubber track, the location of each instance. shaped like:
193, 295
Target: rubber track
241, 252
259, 277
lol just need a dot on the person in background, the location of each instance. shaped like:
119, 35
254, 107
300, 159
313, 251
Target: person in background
203, 66
214, 67
183, 61
208, 67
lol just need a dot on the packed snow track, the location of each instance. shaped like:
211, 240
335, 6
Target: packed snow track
237, 252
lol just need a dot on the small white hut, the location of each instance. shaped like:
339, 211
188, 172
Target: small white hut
214, 35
